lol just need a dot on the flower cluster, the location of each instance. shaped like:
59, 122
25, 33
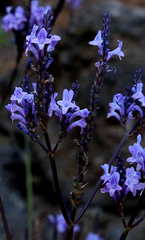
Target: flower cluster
130, 106
132, 179
99, 42
38, 12
68, 112
60, 224
21, 107
39, 40
15, 19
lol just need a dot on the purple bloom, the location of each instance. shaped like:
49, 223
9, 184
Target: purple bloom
117, 109
67, 102
14, 21
29, 42
138, 154
60, 223
54, 108
41, 38
106, 176
38, 39
18, 95
20, 101
132, 181
93, 236
111, 183
38, 12
79, 123
67, 111
53, 40
118, 51
98, 41
125, 108
138, 95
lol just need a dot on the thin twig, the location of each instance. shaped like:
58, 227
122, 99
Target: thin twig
88, 202
56, 181
57, 11
122, 142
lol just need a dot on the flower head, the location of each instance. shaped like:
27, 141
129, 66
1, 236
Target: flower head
133, 181
68, 112
138, 154
111, 180
14, 21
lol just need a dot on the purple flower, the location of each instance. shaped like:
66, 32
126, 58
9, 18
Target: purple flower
118, 51
138, 154
67, 111
14, 21
117, 108
67, 102
18, 95
53, 40
132, 181
79, 123
60, 223
19, 107
53, 107
38, 12
106, 176
98, 41
125, 107
138, 95
93, 236
38, 39
111, 182
41, 38
29, 42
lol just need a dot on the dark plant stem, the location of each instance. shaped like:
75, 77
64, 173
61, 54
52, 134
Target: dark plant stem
83, 211
5, 222
124, 235
57, 11
122, 142
58, 190
56, 181
70, 231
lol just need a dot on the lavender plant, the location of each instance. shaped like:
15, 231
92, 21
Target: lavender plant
34, 103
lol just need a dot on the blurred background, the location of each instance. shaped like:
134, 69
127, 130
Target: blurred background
74, 60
